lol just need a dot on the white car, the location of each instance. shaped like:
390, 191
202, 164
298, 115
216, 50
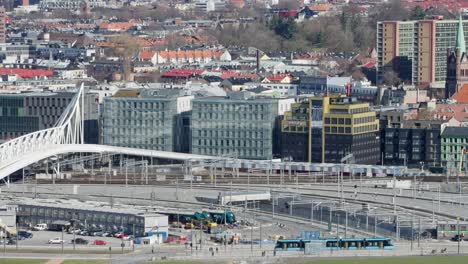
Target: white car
40, 227
74, 231
56, 241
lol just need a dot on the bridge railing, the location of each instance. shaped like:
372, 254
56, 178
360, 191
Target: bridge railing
68, 130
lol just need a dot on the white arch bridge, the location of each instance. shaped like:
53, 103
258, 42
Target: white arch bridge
67, 137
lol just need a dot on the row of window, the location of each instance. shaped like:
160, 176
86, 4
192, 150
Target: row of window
215, 107
80, 215
246, 153
232, 133
230, 143
232, 116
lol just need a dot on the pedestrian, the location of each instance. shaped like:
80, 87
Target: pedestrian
216, 250
212, 253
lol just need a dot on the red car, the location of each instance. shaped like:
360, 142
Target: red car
122, 236
100, 242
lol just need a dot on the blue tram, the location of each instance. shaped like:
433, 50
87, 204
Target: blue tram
336, 244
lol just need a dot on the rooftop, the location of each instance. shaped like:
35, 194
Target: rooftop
455, 132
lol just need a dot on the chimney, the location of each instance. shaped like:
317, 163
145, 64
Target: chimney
25, 2
258, 60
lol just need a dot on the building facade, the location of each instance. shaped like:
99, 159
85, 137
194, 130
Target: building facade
454, 144
410, 142
298, 142
238, 125
351, 127
2, 25
24, 113
457, 65
417, 50
148, 119
89, 217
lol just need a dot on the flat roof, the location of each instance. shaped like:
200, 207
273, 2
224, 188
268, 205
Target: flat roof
79, 205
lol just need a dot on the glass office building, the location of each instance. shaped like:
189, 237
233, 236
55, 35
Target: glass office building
238, 125
25, 113
147, 119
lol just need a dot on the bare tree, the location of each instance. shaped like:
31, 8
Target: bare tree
126, 48
390, 77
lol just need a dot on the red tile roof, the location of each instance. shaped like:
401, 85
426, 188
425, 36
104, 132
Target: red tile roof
278, 77
186, 54
116, 26
320, 7
147, 55
235, 74
27, 73
462, 95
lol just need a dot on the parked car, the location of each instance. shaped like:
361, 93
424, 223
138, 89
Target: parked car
56, 240
40, 227
80, 241
97, 233
106, 234
25, 234
11, 242
127, 237
118, 234
123, 236
84, 233
74, 231
99, 242
459, 238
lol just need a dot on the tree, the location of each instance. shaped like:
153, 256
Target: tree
417, 13
126, 48
285, 27
390, 77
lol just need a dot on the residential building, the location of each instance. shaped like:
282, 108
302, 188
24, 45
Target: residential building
2, 25
410, 142
351, 127
239, 125
70, 4
147, 119
14, 53
205, 6
454, 144
185, 56
416, 50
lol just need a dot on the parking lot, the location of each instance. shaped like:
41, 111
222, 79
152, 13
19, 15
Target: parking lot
41, 238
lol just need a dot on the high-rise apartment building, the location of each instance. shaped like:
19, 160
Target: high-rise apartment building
148, 119
239, 125
417, 50
2, 25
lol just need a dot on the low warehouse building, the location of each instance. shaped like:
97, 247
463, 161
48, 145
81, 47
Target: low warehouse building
91, 216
